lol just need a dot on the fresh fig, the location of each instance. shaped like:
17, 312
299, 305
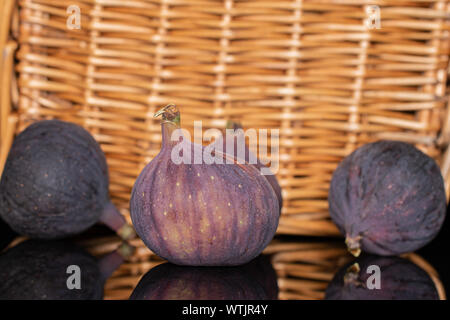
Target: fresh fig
171, 282
387, 198
238, 134
55, 183
198, 213
39, 270
399, 279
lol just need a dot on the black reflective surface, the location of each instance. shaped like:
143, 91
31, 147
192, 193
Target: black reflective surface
6, 234
256, 280
399, 279
41, 270
291, 268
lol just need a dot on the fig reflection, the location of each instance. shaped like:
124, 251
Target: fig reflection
37, 270
400, 279
255, 280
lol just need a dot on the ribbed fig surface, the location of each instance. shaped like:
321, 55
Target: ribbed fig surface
248, 156
171, 282
387, 198
202, 214
55, 182
400, 279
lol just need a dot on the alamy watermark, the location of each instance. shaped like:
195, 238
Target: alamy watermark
374, 281
235, 147
373, 17
353, 276
74, 280
74, 19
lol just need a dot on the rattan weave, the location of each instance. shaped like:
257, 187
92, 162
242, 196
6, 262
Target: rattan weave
313, 69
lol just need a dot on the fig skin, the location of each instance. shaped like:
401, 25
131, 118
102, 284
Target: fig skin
55, 183
172, 282
239, 134
400, 280
202, 214
387, 198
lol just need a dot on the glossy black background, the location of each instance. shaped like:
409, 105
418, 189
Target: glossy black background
6, 235
435, 253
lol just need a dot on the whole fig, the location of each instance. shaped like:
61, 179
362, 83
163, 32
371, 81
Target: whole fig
55, 183
193, 212
171, 282
387, 198
399, 279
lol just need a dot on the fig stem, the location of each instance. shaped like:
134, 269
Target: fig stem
169, 113
353, 245
169, 124
233, 125
112, 218
113, 260
126, 232
352, 274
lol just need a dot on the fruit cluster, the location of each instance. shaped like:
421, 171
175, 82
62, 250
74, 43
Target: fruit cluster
386, 197
55, 185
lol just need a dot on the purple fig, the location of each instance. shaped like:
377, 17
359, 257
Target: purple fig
387, 198
201, 214
55, 183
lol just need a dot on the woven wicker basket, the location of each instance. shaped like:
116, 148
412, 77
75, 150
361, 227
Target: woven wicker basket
313, 69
